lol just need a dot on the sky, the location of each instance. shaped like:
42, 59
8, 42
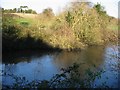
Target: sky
111, 6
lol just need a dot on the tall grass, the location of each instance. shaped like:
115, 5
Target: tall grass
76, 27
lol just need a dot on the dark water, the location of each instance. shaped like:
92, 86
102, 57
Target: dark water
40, 65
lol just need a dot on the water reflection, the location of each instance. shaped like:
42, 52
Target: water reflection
43, 65
92, 56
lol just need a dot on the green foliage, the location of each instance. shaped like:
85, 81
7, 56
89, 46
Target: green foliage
48, 12
10, 32
57, 24
100, 9
75, 28
30, 11
19, 10
86, 25
69, 19
9, 29
24, 23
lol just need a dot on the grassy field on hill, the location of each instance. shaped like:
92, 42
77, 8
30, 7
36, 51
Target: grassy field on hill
75, 28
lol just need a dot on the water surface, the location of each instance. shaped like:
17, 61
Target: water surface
40, 65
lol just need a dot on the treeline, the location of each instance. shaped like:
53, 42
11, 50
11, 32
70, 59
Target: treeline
21, 9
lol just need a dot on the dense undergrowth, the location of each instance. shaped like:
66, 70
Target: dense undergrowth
78, 26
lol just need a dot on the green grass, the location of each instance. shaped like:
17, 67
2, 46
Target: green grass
22, 20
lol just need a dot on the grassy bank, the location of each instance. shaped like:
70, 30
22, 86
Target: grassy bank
75, 28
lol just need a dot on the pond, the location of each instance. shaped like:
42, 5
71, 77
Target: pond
41, 65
